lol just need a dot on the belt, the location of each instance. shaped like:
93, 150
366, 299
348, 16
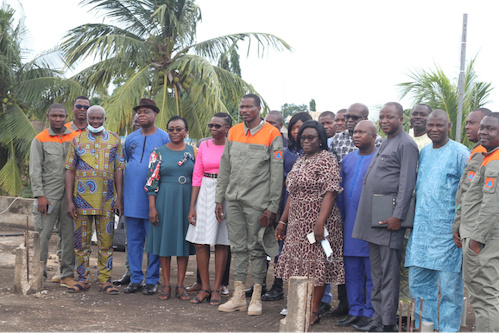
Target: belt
211, 175
181, 180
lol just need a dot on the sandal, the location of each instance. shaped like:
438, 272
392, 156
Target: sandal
215, 301
182, 295
108, 288
78, 287
317, 319
163, 295
196, 299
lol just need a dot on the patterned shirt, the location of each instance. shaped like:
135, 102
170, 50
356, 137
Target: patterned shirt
342, 144
422, 140
95, 158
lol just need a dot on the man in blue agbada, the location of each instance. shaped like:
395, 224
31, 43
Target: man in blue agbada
432, 256
355, 251
138, 147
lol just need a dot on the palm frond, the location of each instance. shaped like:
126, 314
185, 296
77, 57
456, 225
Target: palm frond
212, 48
133, 12
10, 176
103, 41
119, 107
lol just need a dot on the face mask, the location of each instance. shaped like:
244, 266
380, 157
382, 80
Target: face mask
95, 130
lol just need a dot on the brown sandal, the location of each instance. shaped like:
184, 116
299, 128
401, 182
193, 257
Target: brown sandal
182, 295
78, 287
108, 288
163, 295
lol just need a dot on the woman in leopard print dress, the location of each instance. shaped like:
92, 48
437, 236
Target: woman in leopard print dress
313, 185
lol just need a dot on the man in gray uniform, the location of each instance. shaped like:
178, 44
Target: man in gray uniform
391, 172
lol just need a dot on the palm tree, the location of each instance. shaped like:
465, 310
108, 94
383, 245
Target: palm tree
152, 50
434, 88
26, 91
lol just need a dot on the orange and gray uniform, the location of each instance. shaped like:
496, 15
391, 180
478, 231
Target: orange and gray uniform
71, 125
474, 162
480, 222
46, 169
250, 181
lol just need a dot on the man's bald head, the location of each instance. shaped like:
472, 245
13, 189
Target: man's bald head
369, 126
364, 136
438, 127
441, 114
473, 123
275, 119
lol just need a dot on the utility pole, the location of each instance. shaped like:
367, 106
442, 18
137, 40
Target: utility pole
460, 84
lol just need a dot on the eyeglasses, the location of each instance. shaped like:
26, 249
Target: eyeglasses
354, 118
310, 138
175, 129
217, 126
79, 106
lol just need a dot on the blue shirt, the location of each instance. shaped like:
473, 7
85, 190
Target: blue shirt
353, 170
138, 148
430, 244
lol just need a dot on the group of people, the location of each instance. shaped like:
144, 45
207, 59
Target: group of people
311, 201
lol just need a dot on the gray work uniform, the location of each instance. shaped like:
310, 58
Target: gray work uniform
480, 222
250, 181
46, 169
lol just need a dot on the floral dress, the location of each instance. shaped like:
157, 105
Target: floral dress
307, 183
170, 180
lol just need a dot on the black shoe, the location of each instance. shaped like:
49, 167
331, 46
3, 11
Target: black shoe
363, 321
249, 292
370, 327
348, 320
341, 310
150, 289
274, 294
132, 288
125, 279
390, 328
317, 320
324, 308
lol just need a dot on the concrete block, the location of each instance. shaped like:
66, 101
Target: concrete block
35, 283
300, 289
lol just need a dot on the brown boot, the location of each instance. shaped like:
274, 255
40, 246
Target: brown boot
255, 307
238, 300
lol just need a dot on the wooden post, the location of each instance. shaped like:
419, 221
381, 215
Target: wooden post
26, 243
420, 312
401, 309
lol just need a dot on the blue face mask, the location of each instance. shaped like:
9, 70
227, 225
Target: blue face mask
95, 130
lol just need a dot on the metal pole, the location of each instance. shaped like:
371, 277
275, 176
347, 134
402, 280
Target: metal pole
460, 84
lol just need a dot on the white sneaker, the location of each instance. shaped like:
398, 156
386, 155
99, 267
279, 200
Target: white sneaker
284, 312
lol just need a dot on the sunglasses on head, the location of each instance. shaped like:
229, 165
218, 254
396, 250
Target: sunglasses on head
79, 106
217, 126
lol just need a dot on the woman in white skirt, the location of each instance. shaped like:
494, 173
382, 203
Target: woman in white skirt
204, 229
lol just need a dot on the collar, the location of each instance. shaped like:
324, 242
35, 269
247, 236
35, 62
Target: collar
75, 128
254, 130
66, 131
488, 153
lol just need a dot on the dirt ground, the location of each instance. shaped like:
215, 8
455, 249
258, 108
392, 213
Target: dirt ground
94, 311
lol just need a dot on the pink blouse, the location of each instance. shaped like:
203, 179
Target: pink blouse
207, 160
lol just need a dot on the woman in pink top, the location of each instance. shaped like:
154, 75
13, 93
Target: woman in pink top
204, 229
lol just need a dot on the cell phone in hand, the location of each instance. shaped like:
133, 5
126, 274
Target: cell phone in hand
49, 209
